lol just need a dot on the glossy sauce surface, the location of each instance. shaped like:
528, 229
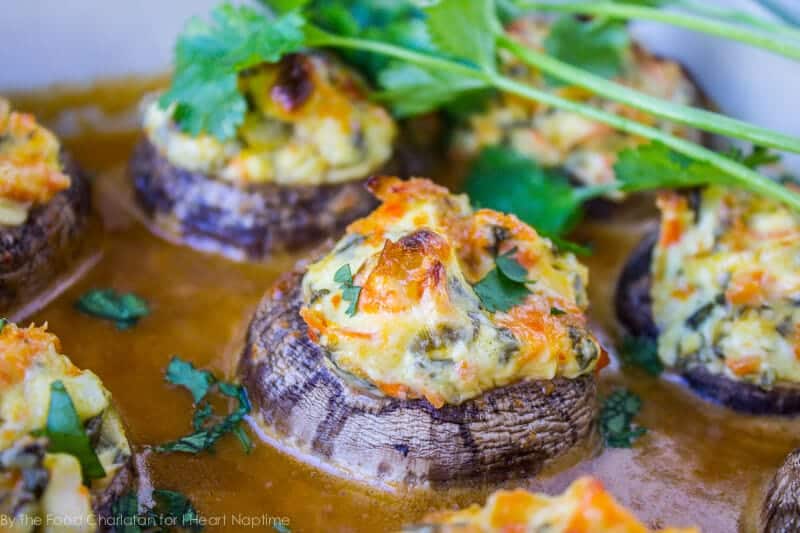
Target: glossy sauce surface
698, 464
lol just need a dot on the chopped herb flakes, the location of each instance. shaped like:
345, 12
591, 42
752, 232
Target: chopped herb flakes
555, 311
172, 512
642, 352
124, 309
3, 323
350, 292
66, 434
208, 426
616, 419
504, 286
184, 374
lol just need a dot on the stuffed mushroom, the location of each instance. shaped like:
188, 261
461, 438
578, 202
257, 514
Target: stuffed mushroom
719, 286
293, 173
432, 344
64, 456
44, 209
584, 507
586, 150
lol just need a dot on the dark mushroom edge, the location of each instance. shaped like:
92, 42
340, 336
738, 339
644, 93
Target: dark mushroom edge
35, 253
780, 512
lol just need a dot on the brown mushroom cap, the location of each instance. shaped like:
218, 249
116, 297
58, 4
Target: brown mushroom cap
781, 509
250, 221
34, 253
633, 307
298, 398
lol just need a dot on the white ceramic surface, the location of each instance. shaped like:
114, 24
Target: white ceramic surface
76, 41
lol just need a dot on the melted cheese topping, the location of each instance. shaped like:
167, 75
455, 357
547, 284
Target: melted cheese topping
585, 507
419, 328
553, 137
726, 285
30, 171
310, 123
29, 363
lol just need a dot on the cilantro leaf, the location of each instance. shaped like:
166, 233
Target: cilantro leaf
184, 374
280, 527
759, 156
511, 268
208, 57
412, 90
503, 179
397, 22
465, 30
350, 292
343, 275
642, 352
498, 293
3, 322
555, 311
171, 509
504, 286
124, 309
596, 45
616, 419
653, 166
66, 433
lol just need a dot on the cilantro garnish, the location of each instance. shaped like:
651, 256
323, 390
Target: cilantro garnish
597, 45
350, 292
3, 322
65, 432
207, 425
642, 352
504, 180
171, 510
504, 286
209, 56
123, 309
616, 419
555, 311
183, 373
654, 166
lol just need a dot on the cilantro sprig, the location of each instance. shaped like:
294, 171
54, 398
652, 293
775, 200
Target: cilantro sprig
504, 286
459, 61
208, 427
616, 419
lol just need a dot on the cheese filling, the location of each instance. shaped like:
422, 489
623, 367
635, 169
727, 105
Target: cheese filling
29, 363
309, 123
726, 285
585, 507
554, 137
417, 327
30, 170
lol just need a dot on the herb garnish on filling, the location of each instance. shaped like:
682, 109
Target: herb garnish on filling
616, 419
504, 286
350, 292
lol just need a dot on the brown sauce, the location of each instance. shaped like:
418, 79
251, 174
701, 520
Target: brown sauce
699, 464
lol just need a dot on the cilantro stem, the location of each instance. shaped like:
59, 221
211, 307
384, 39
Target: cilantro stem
698, 118
739, 174
779, 11
739, 17
756, 38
